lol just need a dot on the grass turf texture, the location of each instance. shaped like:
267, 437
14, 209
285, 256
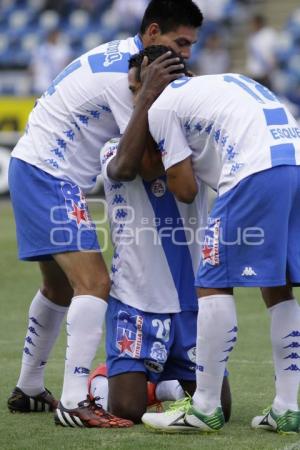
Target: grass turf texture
251, 375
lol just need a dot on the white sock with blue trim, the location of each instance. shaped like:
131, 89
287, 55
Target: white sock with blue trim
99, 390
169, 390
84, 328
44, 323
285, 337
216, 338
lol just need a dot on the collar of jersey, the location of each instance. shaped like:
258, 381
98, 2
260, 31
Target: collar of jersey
138, 42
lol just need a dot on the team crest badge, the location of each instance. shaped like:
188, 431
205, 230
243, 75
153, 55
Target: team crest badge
210, 249
158, 188
129, 334
76, 205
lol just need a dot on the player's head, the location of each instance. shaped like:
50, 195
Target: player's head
152, 53
173, 23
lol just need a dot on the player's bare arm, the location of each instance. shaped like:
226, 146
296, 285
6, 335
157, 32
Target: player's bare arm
151, 164
181, 181
155, 77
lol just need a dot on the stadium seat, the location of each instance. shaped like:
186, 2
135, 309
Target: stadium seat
49, 20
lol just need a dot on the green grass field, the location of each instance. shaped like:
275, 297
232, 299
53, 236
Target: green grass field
250, 368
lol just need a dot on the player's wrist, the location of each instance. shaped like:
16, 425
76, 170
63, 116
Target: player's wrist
147, 97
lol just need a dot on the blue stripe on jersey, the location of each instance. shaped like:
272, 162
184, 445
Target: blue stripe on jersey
276, 116
283, 154
100, 63
138, 42
177, 254
67, 71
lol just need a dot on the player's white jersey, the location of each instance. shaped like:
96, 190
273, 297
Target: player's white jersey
156, 242
87, 104
231, 125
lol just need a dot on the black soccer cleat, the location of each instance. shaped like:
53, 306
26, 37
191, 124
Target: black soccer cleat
21, 402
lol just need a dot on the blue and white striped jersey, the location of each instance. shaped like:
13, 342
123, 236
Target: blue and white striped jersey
230, 125
156, 241
87, 104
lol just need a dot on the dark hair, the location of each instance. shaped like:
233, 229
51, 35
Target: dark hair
259, 19
170, 14
153, 52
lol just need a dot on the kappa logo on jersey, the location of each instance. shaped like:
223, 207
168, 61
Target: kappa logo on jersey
210, 250
129, 334
158, 188
76, 205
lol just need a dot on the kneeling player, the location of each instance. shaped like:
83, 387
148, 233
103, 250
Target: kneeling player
152, 314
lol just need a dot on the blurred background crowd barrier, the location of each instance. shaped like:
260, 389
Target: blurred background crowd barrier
38, 38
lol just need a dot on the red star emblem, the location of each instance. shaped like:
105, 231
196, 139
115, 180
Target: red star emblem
206, 252
79, 214
125, 344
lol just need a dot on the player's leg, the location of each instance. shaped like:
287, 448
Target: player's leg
46, 314
33, 213
284, 310
136, 353
181, 364
88, 276
284, 416
216, 337
128, 395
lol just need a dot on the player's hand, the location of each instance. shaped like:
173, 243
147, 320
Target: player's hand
156, 76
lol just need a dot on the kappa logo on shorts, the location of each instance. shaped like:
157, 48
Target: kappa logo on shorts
129, 334
76, 205
210, 250
249, 272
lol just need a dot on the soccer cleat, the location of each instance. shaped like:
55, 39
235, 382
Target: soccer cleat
88, 415
172, 420
21, 402
152, 401
286, 423
205, 423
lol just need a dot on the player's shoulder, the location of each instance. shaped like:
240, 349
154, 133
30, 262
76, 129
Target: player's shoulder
111, 57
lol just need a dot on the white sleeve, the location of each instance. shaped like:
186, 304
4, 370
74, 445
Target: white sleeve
119, 99
166, 130
107, 153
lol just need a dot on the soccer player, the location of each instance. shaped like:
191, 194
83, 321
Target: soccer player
53, 165
152, 310
234, 134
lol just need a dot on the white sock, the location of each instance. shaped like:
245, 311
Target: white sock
45, 320
169, 390
99, 390
216, 338
84, 328
285, 337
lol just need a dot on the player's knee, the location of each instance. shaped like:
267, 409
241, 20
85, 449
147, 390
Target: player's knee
60, 295
127, 410
98, 286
